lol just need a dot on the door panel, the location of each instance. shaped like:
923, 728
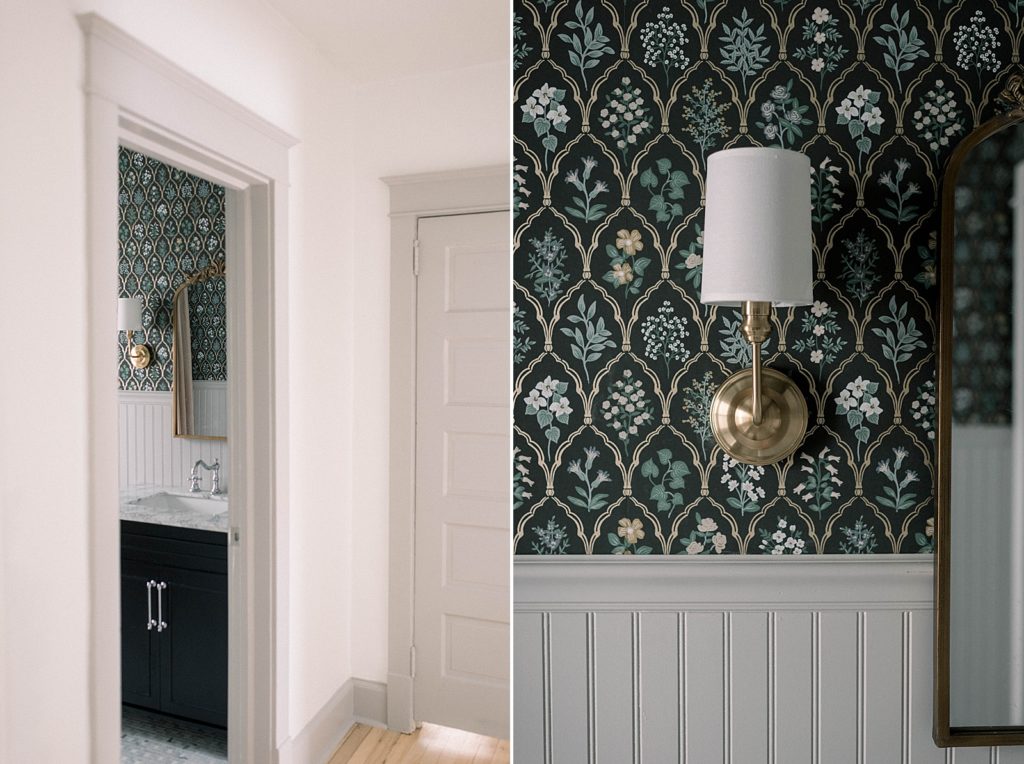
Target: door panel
140, 671
462, 462
194, 646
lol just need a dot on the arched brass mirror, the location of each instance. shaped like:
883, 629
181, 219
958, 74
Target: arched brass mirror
199, 352
979, 582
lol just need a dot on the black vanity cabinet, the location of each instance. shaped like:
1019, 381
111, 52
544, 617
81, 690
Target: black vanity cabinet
174, 620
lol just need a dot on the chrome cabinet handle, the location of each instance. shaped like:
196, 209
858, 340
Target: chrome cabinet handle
161, 623
150, 623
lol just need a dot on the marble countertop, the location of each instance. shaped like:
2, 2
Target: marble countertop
177, 517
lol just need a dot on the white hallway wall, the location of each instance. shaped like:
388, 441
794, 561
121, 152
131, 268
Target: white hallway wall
247, 51
442, 121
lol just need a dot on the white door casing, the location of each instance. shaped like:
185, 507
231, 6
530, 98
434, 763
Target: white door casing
462, 455
136, 98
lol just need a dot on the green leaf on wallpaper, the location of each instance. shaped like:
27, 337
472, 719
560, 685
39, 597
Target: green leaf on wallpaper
649, 469
664, 456
552, 433
544, 417
541, 126
863, 144
856, 129
648, 179
550, 142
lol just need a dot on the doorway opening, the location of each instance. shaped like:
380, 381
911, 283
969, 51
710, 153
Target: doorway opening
174, 459
140, 101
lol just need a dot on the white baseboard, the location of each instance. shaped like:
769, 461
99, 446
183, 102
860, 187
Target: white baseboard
370, 702
358, 700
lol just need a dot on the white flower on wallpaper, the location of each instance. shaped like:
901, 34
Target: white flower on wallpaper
862, 116
663, 41
976, 45
786, 538
938, 118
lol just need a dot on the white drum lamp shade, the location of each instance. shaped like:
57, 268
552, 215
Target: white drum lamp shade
129, 314
757, 228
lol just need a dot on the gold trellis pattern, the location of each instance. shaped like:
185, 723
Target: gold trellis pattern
617, 105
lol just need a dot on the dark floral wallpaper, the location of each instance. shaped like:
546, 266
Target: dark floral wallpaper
170, 225
983, 297
617, 106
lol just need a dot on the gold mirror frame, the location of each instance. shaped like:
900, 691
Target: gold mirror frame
1012, 97
211, 271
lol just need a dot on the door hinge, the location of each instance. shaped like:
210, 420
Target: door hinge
235, 535
412, 661
416, 257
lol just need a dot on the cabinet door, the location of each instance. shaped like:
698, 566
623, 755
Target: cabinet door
140, 670
194, 646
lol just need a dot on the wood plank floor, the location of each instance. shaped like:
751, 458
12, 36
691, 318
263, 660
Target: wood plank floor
429, 744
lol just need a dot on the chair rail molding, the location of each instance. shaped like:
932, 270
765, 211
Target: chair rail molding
731, 659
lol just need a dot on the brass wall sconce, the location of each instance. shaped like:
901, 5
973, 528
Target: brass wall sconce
757, 254
129, 321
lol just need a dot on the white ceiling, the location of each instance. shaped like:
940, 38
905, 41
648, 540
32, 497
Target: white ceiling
387, 39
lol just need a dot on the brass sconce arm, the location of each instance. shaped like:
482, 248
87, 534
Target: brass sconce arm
758, 416
757, 327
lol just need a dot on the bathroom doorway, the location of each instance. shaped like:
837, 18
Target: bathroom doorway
174, 457
138, 100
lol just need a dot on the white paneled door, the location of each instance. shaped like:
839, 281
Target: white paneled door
462, 484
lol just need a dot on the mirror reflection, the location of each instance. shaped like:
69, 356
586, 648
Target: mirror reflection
199, 324
986, 526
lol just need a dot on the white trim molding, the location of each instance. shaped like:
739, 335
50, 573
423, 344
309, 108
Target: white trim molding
358, 700
137, 98
412, 197
733, 659
734, 582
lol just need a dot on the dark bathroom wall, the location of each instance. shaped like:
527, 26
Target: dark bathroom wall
171, 224
617, 105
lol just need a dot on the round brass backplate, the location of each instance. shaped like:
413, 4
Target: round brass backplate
783, 422
140, 356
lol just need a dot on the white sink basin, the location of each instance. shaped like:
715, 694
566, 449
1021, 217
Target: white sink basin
177, 503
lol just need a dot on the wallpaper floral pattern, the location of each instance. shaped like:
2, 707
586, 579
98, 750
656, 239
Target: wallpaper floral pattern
170, 225
618, 104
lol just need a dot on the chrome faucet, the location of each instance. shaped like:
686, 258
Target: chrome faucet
195, 478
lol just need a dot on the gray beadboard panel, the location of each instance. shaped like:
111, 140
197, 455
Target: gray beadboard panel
883, 686
614, 700
706, 688
922, 749
529, 698
659, 687
842, 716
975, 756
835, 666
795, 691
750, 667
569, 707
150, 455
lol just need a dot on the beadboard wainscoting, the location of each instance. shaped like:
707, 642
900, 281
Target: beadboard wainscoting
150, 454
733, 659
